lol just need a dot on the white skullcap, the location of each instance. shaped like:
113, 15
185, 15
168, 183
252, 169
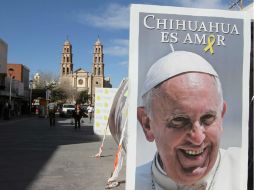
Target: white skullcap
174, 64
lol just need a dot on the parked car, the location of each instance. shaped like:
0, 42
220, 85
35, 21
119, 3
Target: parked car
67, 110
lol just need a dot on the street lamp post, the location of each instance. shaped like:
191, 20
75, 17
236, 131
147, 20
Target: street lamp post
10, 71
47, 91
31, 89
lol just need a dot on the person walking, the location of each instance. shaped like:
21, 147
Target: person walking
77, 115
52, 113
90, 112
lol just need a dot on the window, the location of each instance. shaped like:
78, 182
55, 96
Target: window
99, 71
80, 81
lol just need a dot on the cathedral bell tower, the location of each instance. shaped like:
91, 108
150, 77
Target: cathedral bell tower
98, 65
66, 62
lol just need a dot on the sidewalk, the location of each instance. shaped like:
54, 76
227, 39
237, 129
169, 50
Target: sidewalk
35, 156
15, 118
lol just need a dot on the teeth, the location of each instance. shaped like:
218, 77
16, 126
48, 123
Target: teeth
194, 152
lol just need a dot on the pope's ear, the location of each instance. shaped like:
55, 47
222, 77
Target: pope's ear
224, 109
145, 123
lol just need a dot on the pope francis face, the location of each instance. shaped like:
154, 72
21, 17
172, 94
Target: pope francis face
185, 120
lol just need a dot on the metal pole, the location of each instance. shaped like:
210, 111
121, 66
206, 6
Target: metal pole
10, 70
47, 97
31, 99
10, 90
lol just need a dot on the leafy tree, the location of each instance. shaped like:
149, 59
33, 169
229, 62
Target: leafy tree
83, 97
59, 95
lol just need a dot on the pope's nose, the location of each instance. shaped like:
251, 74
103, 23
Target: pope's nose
197, 135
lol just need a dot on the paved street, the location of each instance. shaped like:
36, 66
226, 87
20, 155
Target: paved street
35, 156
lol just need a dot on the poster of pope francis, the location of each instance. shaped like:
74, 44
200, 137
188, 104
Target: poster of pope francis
188, 99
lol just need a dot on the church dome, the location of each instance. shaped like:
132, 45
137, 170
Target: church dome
67, 42
98, 42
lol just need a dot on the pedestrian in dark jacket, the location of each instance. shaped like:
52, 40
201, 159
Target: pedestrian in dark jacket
77, 115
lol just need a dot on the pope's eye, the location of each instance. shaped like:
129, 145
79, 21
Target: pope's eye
207, 119
179, 122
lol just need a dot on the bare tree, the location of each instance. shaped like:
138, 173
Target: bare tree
45, 79
69, 90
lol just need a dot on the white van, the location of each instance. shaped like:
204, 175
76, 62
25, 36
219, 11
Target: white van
67, 109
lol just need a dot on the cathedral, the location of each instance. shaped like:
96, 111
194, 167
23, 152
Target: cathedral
80, 79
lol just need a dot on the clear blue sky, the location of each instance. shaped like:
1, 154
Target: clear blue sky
35, 31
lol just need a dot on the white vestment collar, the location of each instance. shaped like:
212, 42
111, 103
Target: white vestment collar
161, 180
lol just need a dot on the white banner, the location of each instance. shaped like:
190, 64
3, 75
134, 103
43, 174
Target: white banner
103, 101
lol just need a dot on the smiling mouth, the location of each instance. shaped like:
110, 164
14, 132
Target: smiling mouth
194, 160
193, 152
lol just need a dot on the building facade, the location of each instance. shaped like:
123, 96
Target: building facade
81, 79
3, 63
20, 85
20, 73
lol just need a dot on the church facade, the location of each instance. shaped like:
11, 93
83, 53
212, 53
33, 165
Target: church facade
80, 79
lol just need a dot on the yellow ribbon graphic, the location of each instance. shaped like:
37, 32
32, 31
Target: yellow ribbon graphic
211, 40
